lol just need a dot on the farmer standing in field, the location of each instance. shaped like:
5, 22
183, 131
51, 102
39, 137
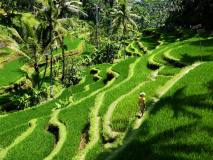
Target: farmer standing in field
142, 102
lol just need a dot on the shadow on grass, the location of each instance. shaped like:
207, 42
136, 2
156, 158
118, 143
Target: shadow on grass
205, 43
191, 59
161, 145
151, 41
45, 82
164, 140
7, 105
179, 102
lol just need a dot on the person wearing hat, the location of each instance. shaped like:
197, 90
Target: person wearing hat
142, 102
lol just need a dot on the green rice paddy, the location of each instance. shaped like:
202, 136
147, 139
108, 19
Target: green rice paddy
177, 126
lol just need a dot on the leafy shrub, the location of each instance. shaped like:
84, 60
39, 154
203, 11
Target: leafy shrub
105, 54
21, 102
73, 71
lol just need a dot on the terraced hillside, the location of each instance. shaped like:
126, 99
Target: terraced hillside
102, 121
17, 77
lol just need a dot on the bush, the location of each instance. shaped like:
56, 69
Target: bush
104, 55
73, 71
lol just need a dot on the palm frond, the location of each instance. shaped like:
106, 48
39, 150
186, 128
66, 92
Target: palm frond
75, 2
19, 52
134, 15
15, 33
76, 10
67, 21
8, 40
118, 18
3, 53
29, 31
37, 45
50, 45
132, 23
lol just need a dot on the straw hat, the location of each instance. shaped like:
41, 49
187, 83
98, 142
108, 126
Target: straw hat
142, 94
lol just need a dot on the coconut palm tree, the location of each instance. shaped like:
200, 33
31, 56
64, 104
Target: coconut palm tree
67, 7
124, 15
49, 15
111, 3
31, 46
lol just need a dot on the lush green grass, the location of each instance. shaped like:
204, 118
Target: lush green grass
72, 44
30, 18
169, 70
130, 51
136, 48
39, 143
190, 51
122, 88
88, 80
114, 93
126, 109
89, 48
148, 42
79, 111
8, 136
11, 72
96, 85
179, 126
175, 128
43, 111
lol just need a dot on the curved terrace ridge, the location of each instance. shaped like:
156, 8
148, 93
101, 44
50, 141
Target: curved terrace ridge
32, 125
62, 129
161, 93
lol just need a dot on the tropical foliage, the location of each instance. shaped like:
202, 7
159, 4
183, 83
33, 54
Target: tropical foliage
69, 90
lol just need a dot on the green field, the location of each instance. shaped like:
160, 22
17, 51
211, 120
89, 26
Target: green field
11, 72
72, 44
102, 118
179, 125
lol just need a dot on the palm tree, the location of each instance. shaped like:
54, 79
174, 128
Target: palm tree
53, 16
49, 15
111, 2
31, 46
124, 16
66, 7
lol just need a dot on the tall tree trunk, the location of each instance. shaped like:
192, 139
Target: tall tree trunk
124, 44
111, 27
34, 7
124, 33
142, 26
44, 71
51, 61
51, 74
86, 39
96, 26
63, 60
36, 70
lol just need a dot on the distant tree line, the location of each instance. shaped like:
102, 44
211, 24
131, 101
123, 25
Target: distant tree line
191, 12
9, 6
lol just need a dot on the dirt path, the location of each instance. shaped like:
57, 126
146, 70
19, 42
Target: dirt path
106, 125
139, 121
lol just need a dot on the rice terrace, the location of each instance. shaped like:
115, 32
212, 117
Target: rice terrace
99, 79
